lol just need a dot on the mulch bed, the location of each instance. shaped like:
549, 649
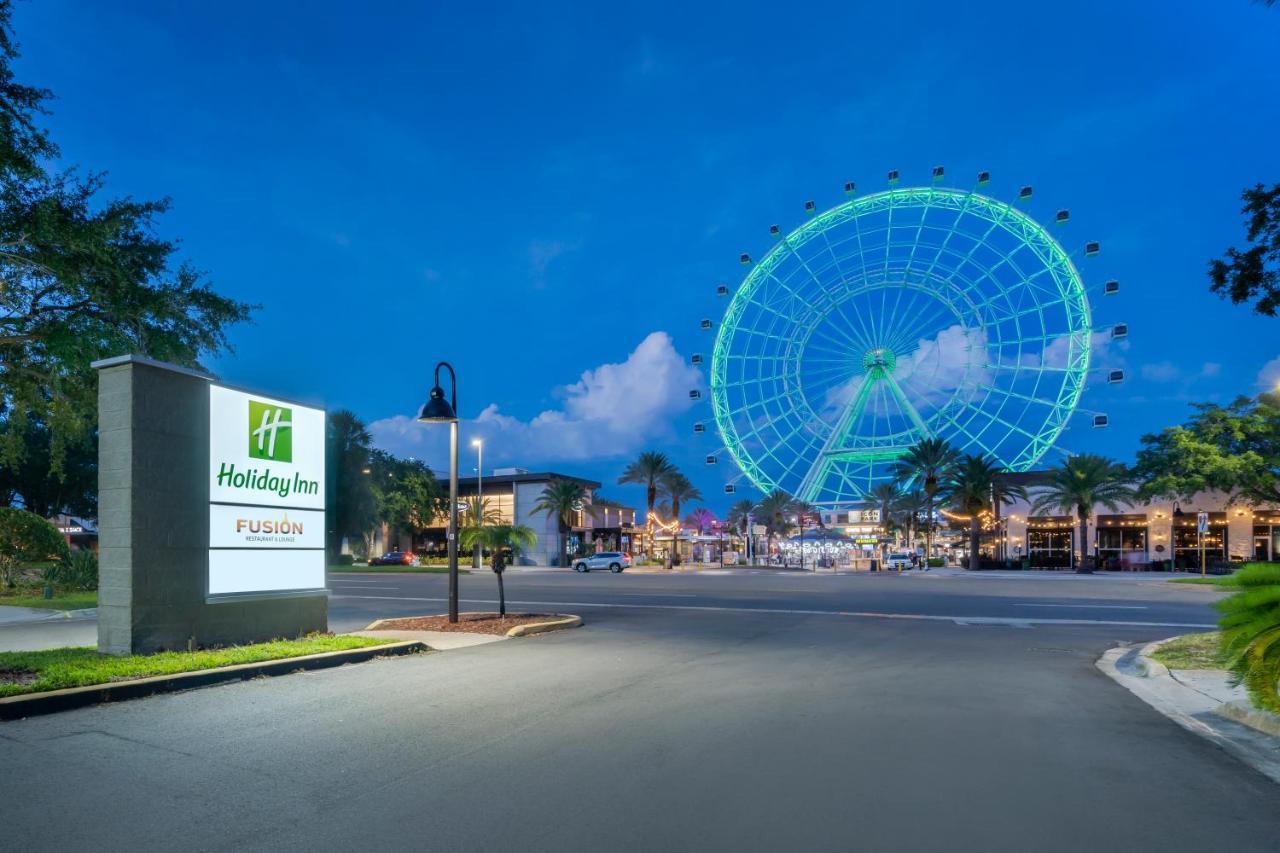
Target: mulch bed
18, 676
468, 623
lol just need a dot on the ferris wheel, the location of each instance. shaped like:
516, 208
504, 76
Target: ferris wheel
902, 315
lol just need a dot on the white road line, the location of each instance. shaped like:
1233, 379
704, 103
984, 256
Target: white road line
859, 614
1086, 606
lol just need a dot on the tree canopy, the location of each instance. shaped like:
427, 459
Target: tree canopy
1233, 449
82, 277
407, 494
1253, 274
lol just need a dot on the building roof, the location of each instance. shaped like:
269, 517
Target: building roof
1026, 479
531, 477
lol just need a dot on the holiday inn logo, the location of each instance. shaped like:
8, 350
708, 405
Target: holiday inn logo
270, 432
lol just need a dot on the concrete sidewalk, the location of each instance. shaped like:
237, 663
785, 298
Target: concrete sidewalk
35, 629
14, 615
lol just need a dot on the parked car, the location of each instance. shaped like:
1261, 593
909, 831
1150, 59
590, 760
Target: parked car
394, 558
898, 561
614, 561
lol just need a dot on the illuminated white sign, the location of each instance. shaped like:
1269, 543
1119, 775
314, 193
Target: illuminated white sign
266, 494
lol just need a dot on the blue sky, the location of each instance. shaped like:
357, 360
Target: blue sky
533, 191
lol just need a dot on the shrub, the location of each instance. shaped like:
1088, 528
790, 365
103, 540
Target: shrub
26, 538
345, 559
938, 562
78, 570
1251, 632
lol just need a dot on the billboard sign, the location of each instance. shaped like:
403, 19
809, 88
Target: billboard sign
266, 494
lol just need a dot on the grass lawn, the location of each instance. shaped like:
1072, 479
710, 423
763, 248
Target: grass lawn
1208, 580
54, 669
60, 601
1192, 651
417, 570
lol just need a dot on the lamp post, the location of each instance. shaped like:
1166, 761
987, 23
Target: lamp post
479, 513
439, 410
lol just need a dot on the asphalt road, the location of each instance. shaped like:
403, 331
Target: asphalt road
774, 711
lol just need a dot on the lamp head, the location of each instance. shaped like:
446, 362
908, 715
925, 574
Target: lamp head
437, 409
475, 442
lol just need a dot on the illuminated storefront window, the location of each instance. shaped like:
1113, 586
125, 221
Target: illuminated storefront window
1122, 541
1049, 539
1266, 536
1186, 542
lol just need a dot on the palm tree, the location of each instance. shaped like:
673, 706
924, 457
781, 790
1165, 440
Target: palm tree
739, 518
775, 510
701, 520
909, 508
478, 513
929, 461
975, 485
563, 500
495, 538
677, 488
739, 513
648, 470
887, 497
1079, 484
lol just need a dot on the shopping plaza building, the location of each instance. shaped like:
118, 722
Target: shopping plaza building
512, 494
1160, 535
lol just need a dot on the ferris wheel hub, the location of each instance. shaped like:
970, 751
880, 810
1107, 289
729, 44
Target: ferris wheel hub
879, 361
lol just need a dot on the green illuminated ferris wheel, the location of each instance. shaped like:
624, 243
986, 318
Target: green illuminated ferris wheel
906, 314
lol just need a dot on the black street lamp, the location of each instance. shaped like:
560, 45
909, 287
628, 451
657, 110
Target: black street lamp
439, 410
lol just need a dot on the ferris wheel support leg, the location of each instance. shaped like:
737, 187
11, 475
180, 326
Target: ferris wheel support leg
817, 472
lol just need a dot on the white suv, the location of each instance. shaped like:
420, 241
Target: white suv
614, 561
898, 561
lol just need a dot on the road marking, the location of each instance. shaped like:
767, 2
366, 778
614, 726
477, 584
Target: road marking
858, 614
1086, 606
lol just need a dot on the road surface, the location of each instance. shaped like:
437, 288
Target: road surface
745, 711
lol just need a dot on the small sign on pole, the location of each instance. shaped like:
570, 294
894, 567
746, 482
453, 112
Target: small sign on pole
1202, 527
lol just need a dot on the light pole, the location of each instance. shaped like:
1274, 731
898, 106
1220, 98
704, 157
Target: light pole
479, 511
439, 410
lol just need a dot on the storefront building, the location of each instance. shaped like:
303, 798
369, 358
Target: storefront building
1159, 535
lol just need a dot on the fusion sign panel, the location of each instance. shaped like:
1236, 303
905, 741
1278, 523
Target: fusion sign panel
266, 494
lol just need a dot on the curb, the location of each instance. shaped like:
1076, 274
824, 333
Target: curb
1149, 666
543, 627
33, 704
1263, 721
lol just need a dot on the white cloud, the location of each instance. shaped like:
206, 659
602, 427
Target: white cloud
1161, 371
542, 253
1269, 375
611, 411
1210, 369
929, 375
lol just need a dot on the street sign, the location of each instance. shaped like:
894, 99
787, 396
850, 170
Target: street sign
1202, 522
758, 529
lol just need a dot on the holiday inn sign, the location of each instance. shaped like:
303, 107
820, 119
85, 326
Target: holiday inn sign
266, 494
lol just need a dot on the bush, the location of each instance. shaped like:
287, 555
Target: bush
938, 562
346, 559
26, 538
79, 570
1251, 632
